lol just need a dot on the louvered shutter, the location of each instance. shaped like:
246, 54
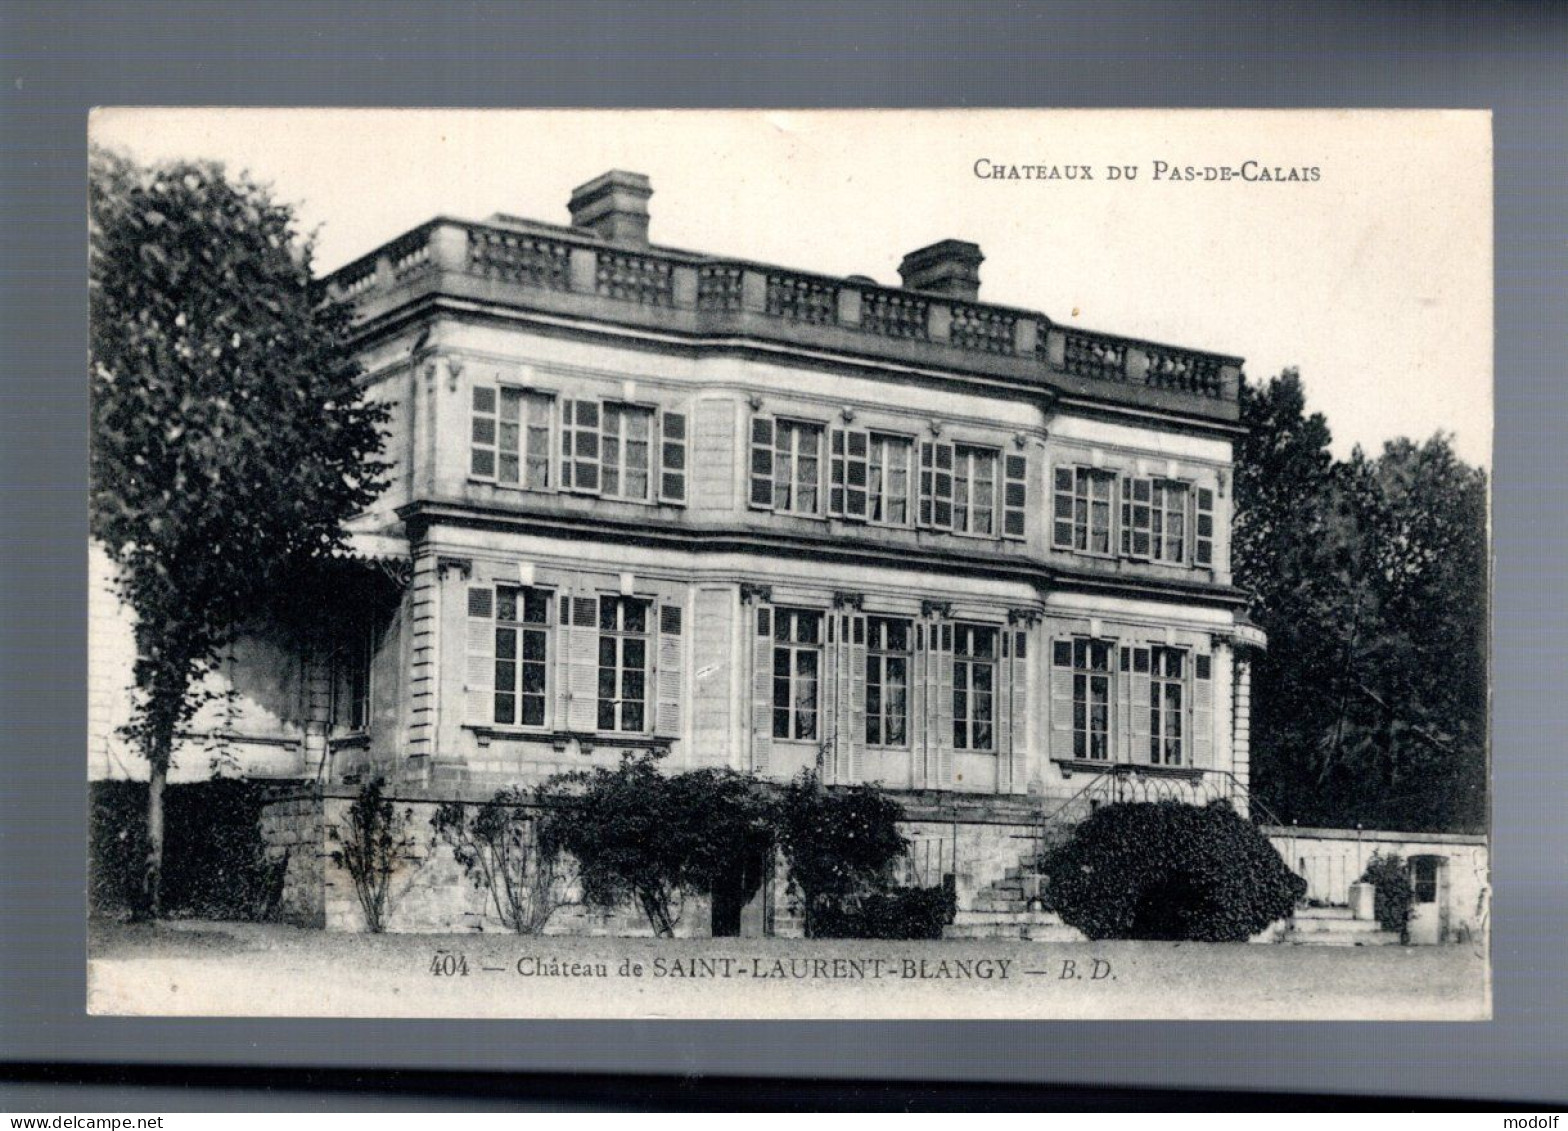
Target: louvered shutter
944, 721
927, 483
926, 690
1123, 720
1139, 710
672, 457
942, 488
1002, 713
1062, 508
857, 473
479, 673
855, 716
1062, 697
1202, 710
762, 690
836, 472
667, 716
828, 721
1015, 495
482, 433
1013, 774
761, 495
583, 714
562, 675
1203, 542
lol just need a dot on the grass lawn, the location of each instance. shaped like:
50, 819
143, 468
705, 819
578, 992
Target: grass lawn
195, 969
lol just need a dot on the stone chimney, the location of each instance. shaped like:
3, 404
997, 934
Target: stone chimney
951, 268
615, 205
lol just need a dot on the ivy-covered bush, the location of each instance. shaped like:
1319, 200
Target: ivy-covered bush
1393, 897
643, 836
374, 844
840, 846
897, 913
1169, 870
215, 863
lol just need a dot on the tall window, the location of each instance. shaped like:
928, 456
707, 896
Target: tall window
351, 680
797, 467
889, 482
797, 662
1082, 516
887, 682
974, 687
1154, 520
626, 452
974, 491
1166, 684
511, 436
623, 664
1091, 699
522, 655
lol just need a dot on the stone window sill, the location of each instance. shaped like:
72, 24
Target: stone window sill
1072, 766
560, 739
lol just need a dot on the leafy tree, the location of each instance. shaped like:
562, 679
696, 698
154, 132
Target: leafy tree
1170, 870
640, 835
230, 438
498, 844
1370, 577
840, 845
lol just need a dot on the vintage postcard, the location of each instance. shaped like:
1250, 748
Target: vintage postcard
964, 564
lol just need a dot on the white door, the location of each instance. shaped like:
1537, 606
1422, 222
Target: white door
1429, 879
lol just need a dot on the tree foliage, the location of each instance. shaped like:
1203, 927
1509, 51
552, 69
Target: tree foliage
1170, 870
230, 439
1370, 577
640, 835
840, 845
1393, 896
497, 842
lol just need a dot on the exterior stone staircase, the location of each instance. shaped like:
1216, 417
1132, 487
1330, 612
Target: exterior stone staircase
1010, 909
1334, 926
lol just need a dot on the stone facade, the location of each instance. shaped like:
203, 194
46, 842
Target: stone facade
644, 499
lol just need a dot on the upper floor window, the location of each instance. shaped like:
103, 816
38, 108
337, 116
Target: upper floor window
1154, 520
889, 479
974, 490
974, 687
626, 452
786, 466
624, 658
797, 665
888, 659
617, 451
1082, 512
511, 436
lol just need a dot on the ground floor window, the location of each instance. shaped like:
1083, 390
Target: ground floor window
888, 659
1166, 683
522, 655
623, 664
1091, 699
974, 687
797, 666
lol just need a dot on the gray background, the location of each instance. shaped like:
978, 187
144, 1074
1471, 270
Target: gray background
56, 60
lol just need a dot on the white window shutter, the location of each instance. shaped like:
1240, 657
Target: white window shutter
1015, 494
479, 673
672, 458
762, 689
667, 720
562, 662
1203, 711
1203, 530
857, 473
1013, 731
761, 493
944, 722
836, 472
583, 711
855, 727
1141, 689
484, 422
1062, 697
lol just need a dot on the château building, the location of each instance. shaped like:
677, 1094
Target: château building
646, 498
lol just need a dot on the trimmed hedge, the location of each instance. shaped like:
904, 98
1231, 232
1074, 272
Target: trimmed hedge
214, 862
898, 913
1169, 870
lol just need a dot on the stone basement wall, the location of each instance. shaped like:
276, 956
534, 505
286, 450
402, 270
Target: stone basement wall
431, 893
